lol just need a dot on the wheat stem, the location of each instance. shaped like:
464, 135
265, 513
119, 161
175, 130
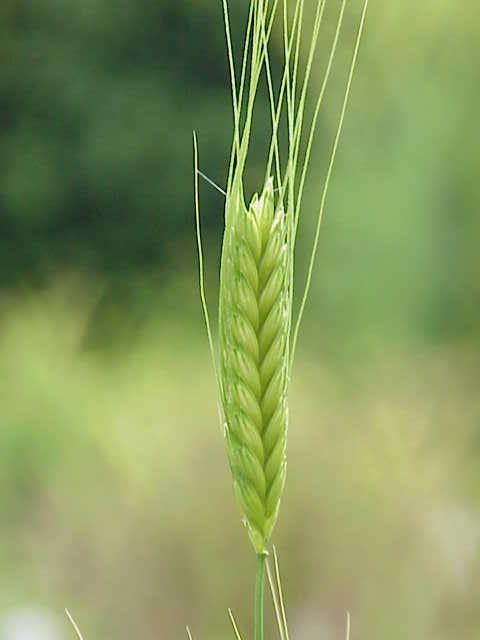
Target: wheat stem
260, 596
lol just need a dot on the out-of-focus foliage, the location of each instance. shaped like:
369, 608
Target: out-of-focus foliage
98, 104
115, 499
117, 502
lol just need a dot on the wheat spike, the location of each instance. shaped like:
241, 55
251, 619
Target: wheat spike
257, 330
254, 313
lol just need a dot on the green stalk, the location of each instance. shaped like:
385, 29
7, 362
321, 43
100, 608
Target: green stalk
260, 595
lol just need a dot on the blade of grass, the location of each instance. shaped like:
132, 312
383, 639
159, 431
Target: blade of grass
234, 625
74, 624
281, 598
276, 606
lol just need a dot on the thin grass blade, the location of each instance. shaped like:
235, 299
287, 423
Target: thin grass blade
281, 598
276, 605
74, 624
234, 625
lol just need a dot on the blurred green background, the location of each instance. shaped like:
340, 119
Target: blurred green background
115, 498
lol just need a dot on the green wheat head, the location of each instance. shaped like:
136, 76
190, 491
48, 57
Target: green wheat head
258, 329
255, 311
